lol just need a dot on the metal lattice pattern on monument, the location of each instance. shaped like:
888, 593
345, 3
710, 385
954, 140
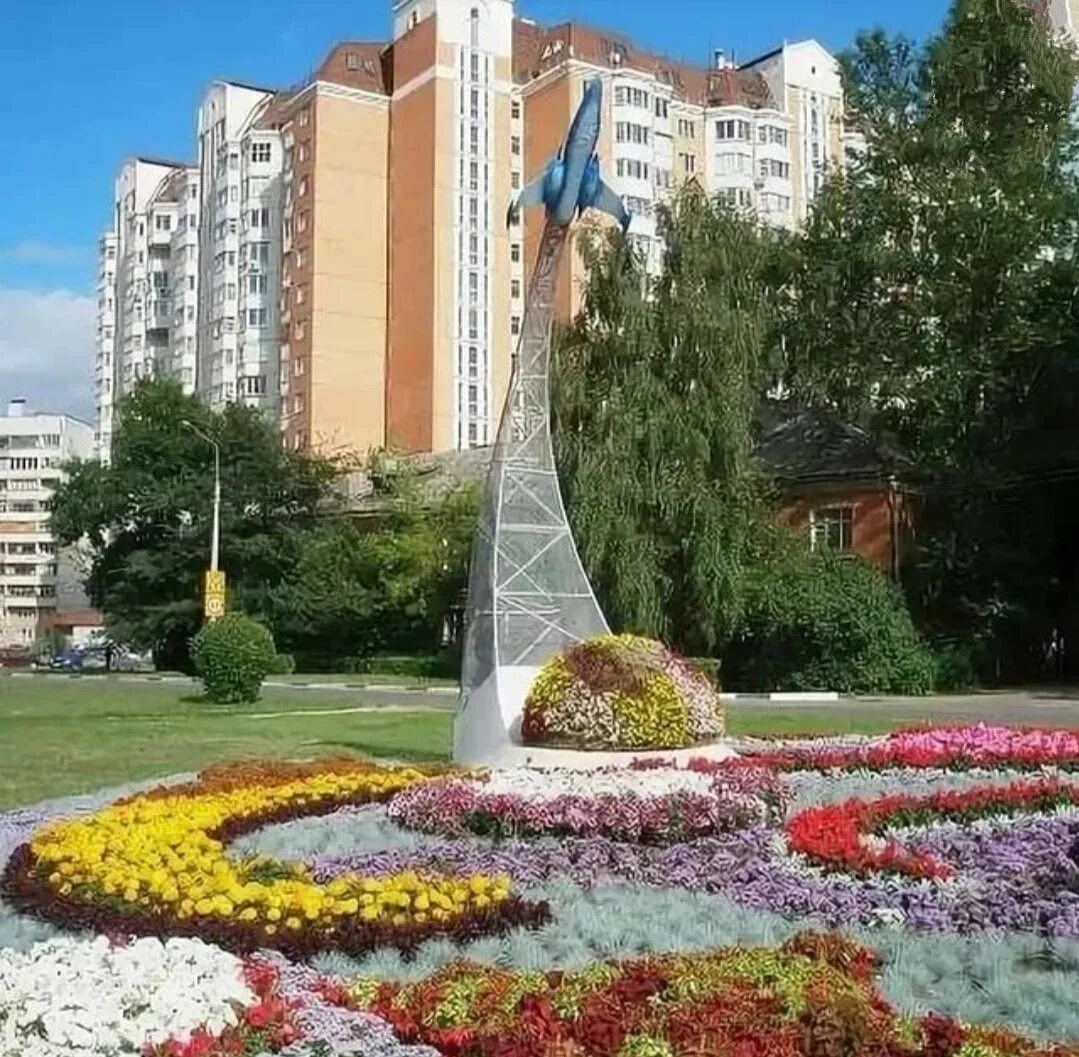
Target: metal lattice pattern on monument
528, 595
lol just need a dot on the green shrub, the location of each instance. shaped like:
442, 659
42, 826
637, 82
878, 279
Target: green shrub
957, 665
233, 655
822, 622
283, 664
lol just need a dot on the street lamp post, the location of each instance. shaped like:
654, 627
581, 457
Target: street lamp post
215, 542
214, 594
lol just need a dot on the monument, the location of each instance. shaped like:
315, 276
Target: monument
528, 595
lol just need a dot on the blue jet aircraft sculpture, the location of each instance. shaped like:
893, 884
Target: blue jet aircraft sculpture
571, 182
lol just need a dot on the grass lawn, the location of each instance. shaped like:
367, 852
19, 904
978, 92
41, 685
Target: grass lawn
63, 736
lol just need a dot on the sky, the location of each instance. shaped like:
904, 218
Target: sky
90, 82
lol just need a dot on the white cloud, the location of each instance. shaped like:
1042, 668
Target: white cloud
33, 251
47, 350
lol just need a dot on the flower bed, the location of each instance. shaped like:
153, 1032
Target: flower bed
658, 806
813, 997
651, 875
156, 865
841, 836
621, 692
93, 997
953, 748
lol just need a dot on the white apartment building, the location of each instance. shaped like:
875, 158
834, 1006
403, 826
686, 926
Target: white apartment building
180, 295
104, 342
805, 83
33, 448
240, 164
134, 257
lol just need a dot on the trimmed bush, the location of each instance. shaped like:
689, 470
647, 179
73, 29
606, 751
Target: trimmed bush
621, 692
823, 622
233, 655
283, 664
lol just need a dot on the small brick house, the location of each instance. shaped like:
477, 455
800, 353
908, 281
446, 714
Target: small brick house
837, 484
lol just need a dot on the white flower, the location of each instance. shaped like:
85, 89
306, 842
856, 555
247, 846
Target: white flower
87, 998
537, 785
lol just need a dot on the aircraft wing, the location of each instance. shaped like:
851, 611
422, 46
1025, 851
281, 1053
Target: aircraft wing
609, 202
530, 195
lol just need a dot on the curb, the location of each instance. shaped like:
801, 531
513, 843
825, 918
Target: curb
810, 697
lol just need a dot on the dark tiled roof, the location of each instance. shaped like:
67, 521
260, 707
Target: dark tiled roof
798, 444
801, 444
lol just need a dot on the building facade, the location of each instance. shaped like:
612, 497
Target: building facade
338, 255
33, 448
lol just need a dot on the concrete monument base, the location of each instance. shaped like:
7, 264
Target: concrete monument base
487, 733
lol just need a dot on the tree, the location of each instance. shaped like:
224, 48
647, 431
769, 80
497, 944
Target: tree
146, 516
359, 589
656, 386
933, 296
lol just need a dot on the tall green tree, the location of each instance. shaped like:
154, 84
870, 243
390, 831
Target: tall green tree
656, 386
933, 296
380, 585
146, 515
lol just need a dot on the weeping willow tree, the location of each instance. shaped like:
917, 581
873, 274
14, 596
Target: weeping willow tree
656, 385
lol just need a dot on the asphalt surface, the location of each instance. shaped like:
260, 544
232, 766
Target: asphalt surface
1050, 706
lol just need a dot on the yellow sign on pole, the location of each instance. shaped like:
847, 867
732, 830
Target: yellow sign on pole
213, 599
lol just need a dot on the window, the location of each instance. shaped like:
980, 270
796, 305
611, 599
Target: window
260, 151
162, 222
628, 132
301, 154
661, 107
256, 284
515, 110
305, 114
515, 180
689, 163
515, 145
515, 288
301, 257
256, 317
298, 366
515, 325
687, 129
301, 221
230, 292
515, 252
352, 60
259, 218
637, 170
301, 294
832, 529
302, 189
732, 129
254, 385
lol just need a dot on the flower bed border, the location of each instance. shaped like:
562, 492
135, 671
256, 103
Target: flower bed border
23, 887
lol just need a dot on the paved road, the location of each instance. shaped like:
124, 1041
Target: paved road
1049, 706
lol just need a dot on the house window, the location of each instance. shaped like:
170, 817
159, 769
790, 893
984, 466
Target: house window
515, 325
832, 529
515, 110
515, 252
515, 144
260, 152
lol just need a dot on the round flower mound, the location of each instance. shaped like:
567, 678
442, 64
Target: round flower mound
655, 806
155, 864
91, 998
621, 692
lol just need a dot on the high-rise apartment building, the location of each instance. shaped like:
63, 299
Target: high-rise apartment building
804, 81
104, 342
239, 246
339, 255
33, 448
